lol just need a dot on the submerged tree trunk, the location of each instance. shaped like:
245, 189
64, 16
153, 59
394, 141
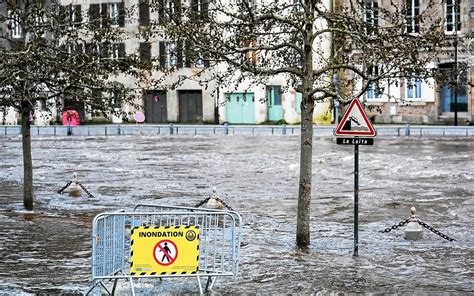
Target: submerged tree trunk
304, 193
27, 160
306, 146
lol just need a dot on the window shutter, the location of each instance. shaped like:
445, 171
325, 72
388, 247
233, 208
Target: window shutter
195, 7
187, 52
104, 50
88, 48
162, 49
179, 51
144, 11
94, 15
121, 20
79, 49
176, 15
104, 15
204, 9
206, 60
145, 51
121, 50
63, 14
161, 11
78, 14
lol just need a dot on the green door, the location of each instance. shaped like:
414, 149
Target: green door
275, 110
240, 108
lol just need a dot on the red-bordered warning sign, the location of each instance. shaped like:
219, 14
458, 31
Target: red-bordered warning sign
165, 252
355, 122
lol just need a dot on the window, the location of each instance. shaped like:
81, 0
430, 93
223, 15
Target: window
452, 17
170, 8
39, 23
117, 51
75, 48
372, 16
96, 101
200, 9
41, 103
14, 24
107, 14
373, 90
117, 96
190, 56
114, 14
200, 63
251, 54
298, 6
413, 12
172, 54
248, 4
274, 95
413, 88
75, 15
96, 50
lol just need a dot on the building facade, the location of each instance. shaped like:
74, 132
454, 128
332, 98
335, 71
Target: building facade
406, 101
432, 101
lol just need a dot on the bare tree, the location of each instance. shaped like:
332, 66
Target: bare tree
307, 42
51, 54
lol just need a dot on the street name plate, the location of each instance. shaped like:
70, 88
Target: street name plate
355, 141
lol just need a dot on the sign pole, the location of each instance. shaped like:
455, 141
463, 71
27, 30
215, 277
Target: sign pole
356, 200
355, 129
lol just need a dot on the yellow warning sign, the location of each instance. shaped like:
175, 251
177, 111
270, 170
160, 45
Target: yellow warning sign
164, 250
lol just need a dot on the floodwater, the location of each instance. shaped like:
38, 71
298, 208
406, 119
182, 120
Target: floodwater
48, 251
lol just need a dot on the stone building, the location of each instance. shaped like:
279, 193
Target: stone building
406, 101
431, 101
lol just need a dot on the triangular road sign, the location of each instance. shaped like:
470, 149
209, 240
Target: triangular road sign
355, 122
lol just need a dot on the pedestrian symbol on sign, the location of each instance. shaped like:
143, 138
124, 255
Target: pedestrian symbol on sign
165, 252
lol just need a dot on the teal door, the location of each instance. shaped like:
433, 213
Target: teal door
275, 110
240, 108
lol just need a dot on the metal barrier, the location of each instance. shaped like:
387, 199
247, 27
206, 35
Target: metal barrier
114, 234
254, 130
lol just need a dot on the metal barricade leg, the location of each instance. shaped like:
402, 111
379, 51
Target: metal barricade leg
91, 289
210, 283
132, 288
103, 286
201, 292
114, 287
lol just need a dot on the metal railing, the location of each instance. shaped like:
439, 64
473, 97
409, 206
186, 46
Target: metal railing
172, 129
113, 244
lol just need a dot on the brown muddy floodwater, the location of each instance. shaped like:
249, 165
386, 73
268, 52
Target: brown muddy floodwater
48, 251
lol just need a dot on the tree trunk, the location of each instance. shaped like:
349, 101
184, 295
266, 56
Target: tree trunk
304, 193
27, 160
306, 145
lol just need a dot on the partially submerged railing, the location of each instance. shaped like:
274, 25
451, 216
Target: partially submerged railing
155, 130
